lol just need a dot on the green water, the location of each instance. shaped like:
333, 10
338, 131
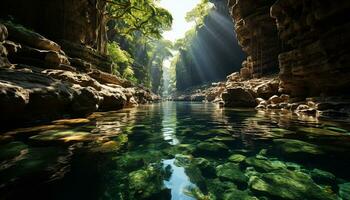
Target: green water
178, 151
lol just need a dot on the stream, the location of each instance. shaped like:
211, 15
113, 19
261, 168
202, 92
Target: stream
178, 151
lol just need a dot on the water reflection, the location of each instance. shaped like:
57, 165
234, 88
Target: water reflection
169, 123
178, 182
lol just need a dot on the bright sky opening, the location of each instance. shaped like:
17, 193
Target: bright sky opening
178, 8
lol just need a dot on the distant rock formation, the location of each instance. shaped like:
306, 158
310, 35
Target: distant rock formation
257, 34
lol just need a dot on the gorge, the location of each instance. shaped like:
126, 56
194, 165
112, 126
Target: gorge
253, 105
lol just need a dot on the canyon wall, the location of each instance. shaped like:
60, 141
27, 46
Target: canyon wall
306, 40
78, 26
257, 35
318, 32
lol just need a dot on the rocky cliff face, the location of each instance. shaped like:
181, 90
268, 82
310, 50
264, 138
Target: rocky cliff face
257, 34
311, 40
78, 26
39, 81
318, 33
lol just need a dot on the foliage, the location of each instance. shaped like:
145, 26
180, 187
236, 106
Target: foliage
198, 13
139, 15
123, 61
136, 26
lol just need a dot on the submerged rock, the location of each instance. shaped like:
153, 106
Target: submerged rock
323, 177
145, 182
235, 194
211, 149
344, 191
264, 165
290, 146
237, 158
232, 172
287, 184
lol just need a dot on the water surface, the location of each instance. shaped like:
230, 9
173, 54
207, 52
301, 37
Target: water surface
178, 151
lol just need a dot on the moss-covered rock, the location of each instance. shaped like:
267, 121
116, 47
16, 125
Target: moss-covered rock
211, 149
145, 182
232, 172
323, 177
264, 165
287, 184
238, 195
290, 146
237, 158
344, 191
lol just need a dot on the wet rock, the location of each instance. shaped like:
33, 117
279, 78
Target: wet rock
274, 100
344, 191
207, 169
108, 147
218, 187
145, 182
112, 99
3, 33
232, 172
211, 149
130, 162
239, 97
237, 158
61, 137
264, 165
11, 150
238, 195
319, 131
85, 100
290, 146
287, 184
77, 121
322, 177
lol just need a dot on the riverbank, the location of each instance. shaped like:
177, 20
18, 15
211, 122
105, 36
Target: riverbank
40, 82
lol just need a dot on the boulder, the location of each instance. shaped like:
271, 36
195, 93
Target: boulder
235, 194
290, 146
231, 172
239, 97
3, 33
145, 182
72, 77
23, 35
344, 191
211, 149
237, 158
112, 98
263, 165
287, 184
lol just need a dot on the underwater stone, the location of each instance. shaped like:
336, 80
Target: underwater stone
211, 149
145, 183
238, 195
207, 169
232, 172
237, 158
322, 177
264, 165
287, 184
344, 191
291, 146
71, 121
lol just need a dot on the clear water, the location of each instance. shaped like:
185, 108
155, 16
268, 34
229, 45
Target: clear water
178, 151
